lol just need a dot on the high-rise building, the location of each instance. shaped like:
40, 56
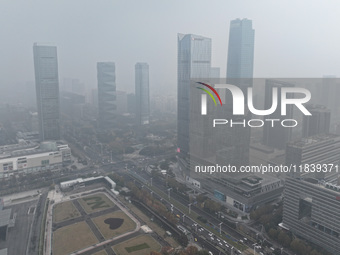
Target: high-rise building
311, 210
193, 61
236, 140
317, 123
106, 75
142, 93
312, 151
47, 90
240, 49
276, 136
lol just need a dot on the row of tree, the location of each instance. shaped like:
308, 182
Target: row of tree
270, 216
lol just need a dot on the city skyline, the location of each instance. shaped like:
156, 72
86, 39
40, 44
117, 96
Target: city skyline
290, 45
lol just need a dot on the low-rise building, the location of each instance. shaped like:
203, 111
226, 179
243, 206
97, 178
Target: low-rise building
29, 157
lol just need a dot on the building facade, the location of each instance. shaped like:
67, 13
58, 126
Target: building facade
240, 49
316, 150
47, 91
142, 93
193, 62
318, 123
312, 211
106, 77
33, 158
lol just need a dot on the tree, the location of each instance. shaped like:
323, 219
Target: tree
273, 233
284, 239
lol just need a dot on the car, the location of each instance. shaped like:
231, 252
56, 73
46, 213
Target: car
195, 239
220, 244
241, 241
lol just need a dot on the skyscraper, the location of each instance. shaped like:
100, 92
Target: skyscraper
47, 90
236, 140
193, 61
240, 49
318, 123
142, 93
106, 94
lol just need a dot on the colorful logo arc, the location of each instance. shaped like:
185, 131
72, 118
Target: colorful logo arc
208, 92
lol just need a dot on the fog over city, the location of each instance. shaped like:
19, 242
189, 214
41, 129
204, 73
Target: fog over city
153, 127
292, 38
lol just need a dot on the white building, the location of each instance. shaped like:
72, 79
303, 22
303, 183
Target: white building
32, 158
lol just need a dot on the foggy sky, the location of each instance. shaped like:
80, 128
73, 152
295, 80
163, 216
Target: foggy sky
292, 38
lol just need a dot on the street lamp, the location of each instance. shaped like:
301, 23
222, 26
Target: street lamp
169, 193
183, 217
151, 181
189, 208
254, 247
220, 227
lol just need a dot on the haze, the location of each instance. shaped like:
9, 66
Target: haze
292, 38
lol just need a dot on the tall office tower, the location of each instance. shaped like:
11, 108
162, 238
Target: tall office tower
106, 75
235, 147
311, 210
193, 61
142, 93
47, 90
318, 123
240, 50
278, 135
321, 149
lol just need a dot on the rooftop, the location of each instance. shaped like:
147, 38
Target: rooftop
313, 140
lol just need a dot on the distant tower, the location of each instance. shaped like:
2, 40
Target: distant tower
240, 62
318, 123
106, 75
47, 90
142, 93
240, 49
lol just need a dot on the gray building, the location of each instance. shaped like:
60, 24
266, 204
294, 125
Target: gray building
142, 93
277, 136
240, 49
319, 149
106, 76
234, 147
318, 123
193, 61
311, 210
47, 91
245, 192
